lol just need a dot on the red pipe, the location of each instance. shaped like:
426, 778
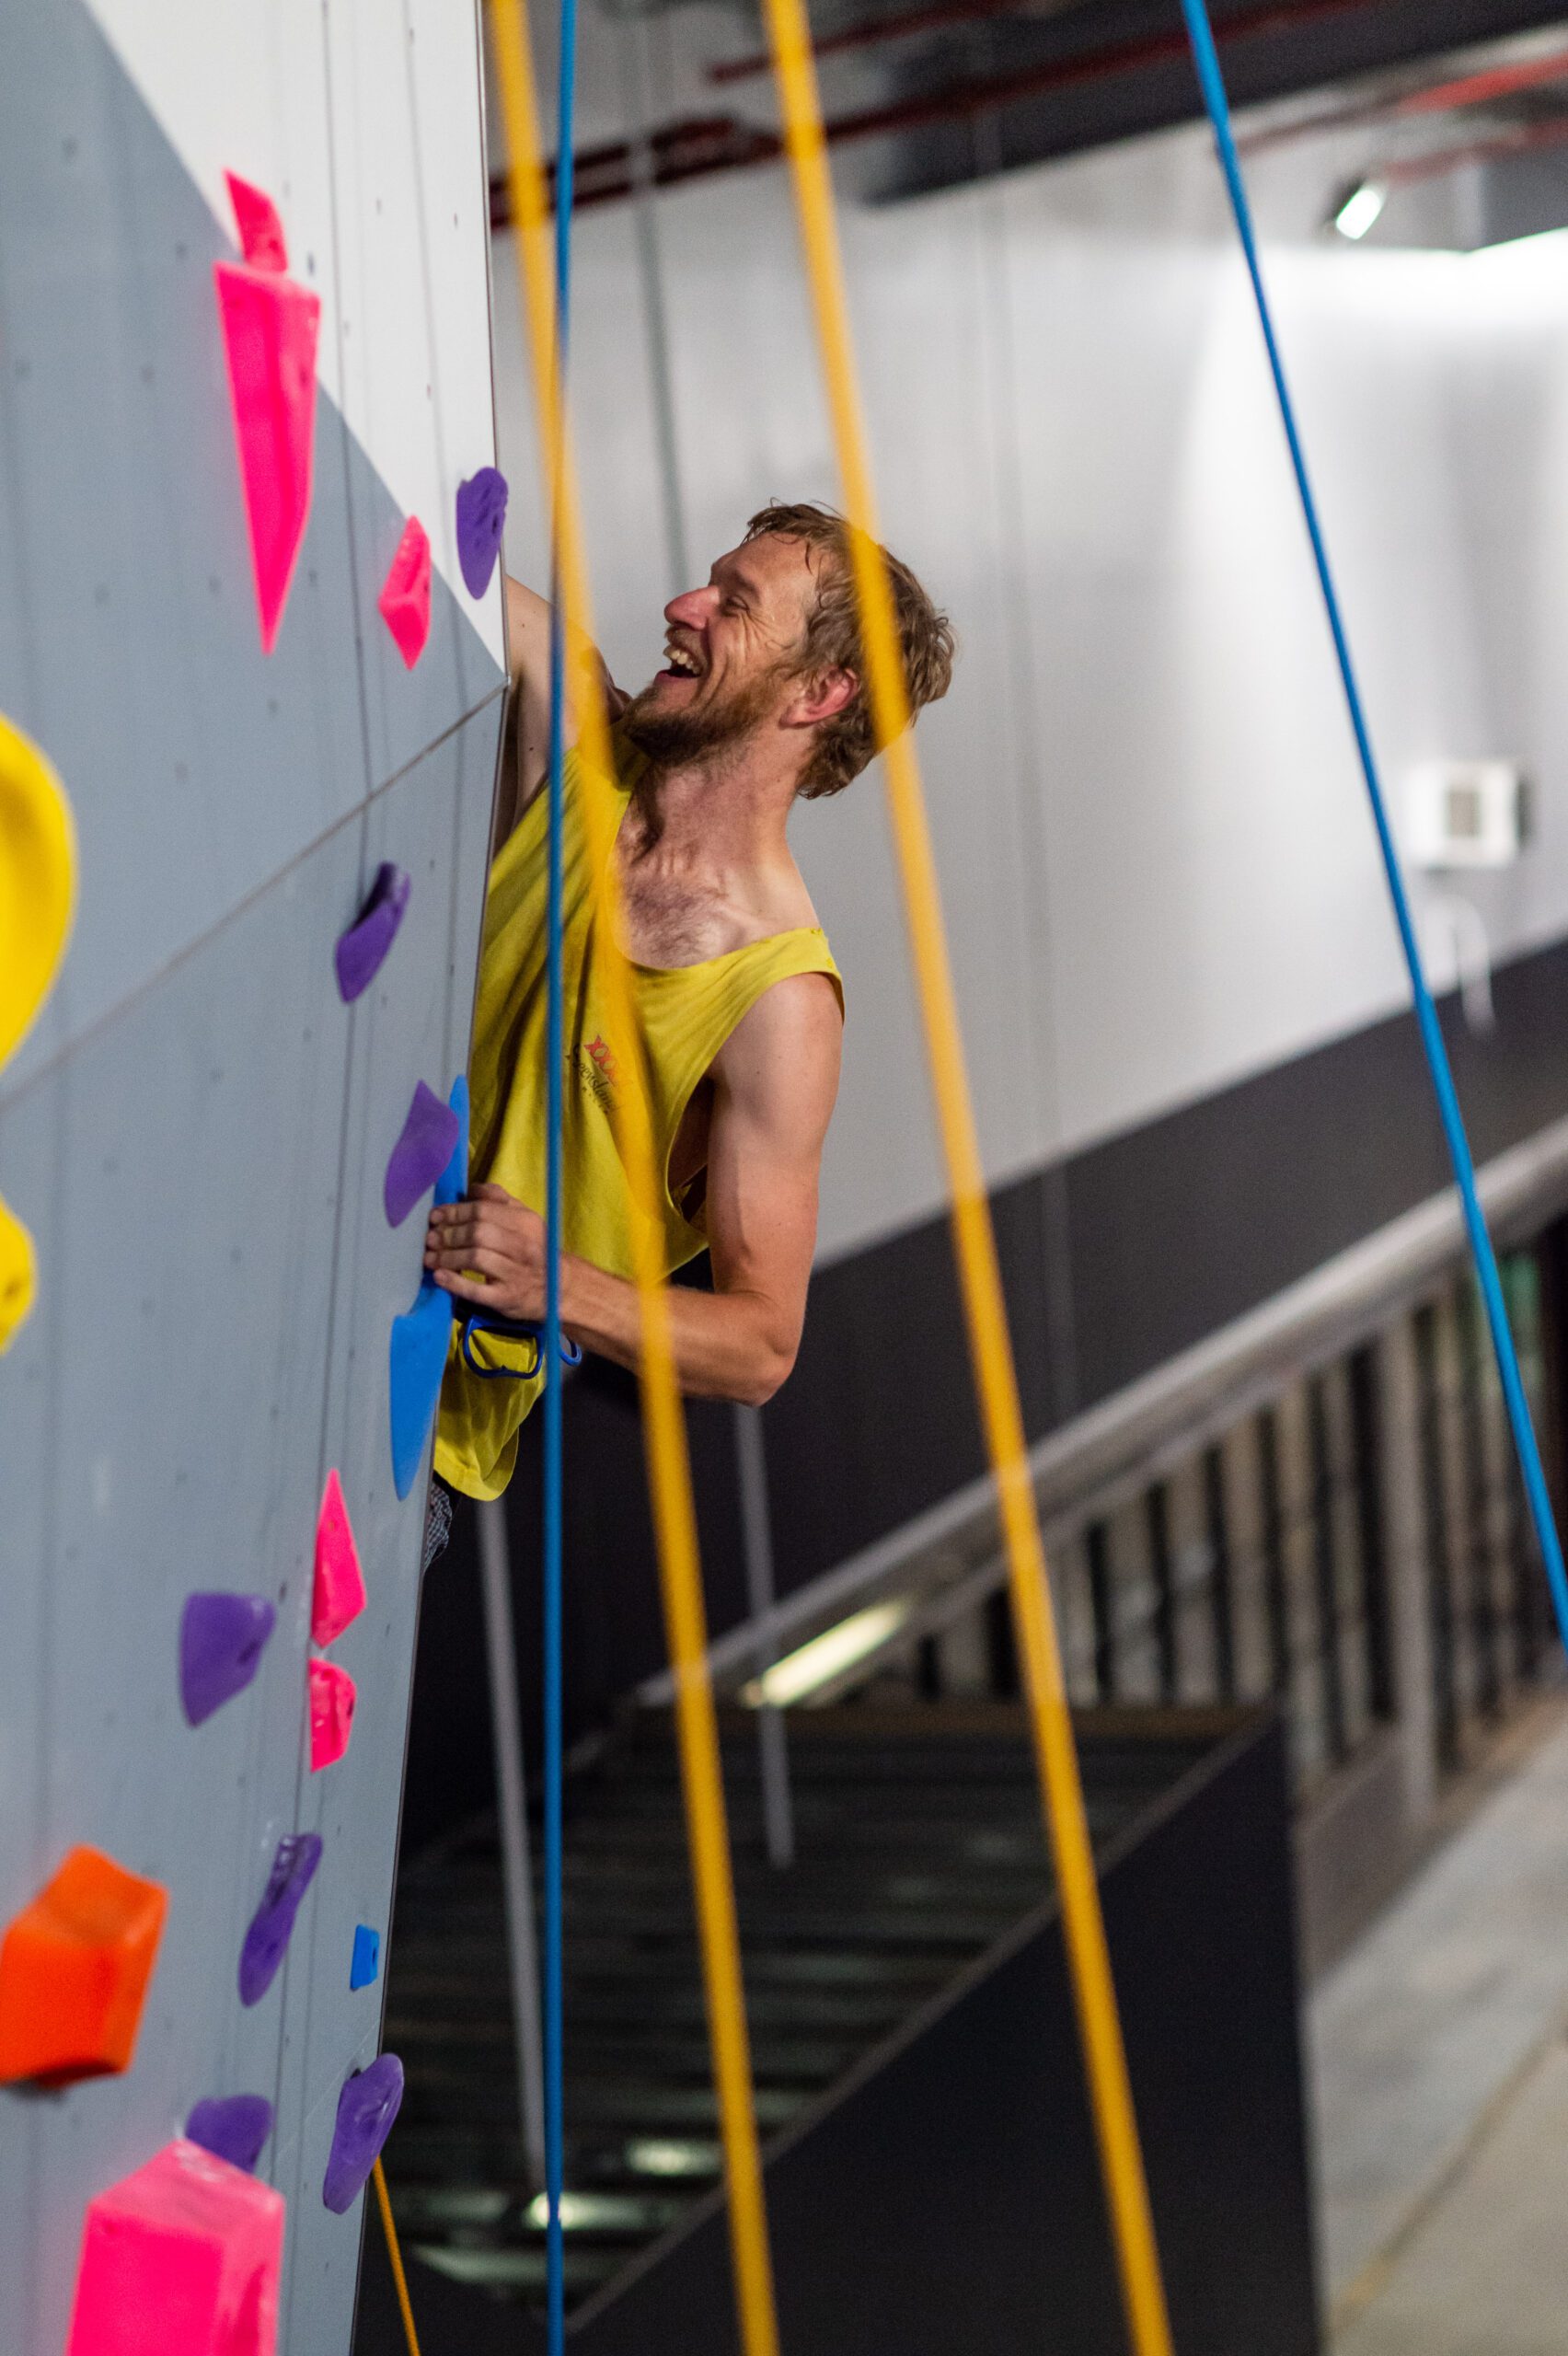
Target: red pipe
1439, 97
690, 150
1151, 49
1526, 141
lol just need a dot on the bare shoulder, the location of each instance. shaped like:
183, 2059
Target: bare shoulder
781, 1061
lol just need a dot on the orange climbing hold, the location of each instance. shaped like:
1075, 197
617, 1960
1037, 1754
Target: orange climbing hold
73, 1972
183, 2257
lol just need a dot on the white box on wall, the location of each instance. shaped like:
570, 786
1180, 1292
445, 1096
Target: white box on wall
1466, 814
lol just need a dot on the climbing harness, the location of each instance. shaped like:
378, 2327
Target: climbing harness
510, 1329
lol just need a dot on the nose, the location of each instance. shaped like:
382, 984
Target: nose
691, 607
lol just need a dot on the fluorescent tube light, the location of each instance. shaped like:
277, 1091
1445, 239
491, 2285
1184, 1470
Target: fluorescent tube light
1355, 211
827, 1657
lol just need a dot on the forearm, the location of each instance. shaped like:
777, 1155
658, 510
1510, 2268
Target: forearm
727, 1346
528, 635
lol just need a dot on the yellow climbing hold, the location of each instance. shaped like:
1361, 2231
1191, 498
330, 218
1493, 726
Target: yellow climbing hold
37, 883
16, 1274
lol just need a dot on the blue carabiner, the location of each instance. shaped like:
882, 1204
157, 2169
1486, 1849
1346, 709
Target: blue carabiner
510, 1329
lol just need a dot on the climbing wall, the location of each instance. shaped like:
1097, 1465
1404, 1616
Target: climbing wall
251, 669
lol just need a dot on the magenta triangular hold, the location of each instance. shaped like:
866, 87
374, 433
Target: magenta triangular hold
262, 237
270, 332
338, 1594
405, 596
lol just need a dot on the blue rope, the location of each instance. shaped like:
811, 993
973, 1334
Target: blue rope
1206, 59
554, 1940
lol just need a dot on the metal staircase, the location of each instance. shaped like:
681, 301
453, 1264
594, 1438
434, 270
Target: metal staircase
920, 1851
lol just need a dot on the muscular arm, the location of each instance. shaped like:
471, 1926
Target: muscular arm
526, 757
774, 1086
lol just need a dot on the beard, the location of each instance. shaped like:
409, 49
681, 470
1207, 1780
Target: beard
670, 740
673, 740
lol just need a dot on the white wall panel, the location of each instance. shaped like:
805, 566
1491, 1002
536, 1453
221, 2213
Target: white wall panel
358, 118
1160, 873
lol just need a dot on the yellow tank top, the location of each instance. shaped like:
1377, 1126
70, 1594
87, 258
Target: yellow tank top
686, 1014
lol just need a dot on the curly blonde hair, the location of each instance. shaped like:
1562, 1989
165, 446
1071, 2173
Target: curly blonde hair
847, 742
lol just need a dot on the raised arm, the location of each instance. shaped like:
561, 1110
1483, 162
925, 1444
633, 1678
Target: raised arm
528, 751
774, 1086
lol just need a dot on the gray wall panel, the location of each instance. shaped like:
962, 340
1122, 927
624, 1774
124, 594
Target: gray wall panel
412, 1023
196, 1135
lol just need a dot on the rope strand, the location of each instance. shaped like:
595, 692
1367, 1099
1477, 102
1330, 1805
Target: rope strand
974, 1237
395, 2255
1206, 59
669, 1470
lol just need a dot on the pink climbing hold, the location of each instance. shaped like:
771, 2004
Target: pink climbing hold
262, 237
332, 1713
271, 328
338, 1594
183, 2257
405, 595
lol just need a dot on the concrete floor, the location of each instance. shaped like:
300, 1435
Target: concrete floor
1441, 2093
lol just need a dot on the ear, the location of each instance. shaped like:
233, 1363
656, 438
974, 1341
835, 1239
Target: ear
820, 696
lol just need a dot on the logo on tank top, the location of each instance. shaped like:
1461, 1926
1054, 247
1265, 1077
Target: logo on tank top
599, 1070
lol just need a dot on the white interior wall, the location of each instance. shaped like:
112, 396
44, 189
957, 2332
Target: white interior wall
1159, 870
357, 119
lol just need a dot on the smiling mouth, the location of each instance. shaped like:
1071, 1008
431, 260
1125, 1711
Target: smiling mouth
680, 664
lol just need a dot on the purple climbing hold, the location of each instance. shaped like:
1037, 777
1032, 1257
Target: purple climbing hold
481, 512
421, 1154
422, 1337
361, 950
298, 1855
234, 2127
366, 2108
222, 1638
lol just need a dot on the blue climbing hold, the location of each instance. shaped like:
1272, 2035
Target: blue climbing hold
365, 1960
422, 1335
417, 1361
453, 1183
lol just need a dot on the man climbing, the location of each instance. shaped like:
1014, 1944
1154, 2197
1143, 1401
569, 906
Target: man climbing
760, 703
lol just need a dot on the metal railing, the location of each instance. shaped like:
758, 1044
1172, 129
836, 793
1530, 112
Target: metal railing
1320, 1503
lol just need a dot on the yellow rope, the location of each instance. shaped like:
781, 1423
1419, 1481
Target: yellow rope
388, 2227
975, 1241
669, 1471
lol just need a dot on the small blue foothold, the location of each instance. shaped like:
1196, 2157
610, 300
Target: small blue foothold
365, 1961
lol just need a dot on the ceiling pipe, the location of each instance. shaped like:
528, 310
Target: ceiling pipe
1437, 98
696, 148
1121, 57
1407, 171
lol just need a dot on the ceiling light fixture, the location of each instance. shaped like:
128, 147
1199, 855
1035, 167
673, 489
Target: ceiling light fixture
826, 1657
1357, 208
